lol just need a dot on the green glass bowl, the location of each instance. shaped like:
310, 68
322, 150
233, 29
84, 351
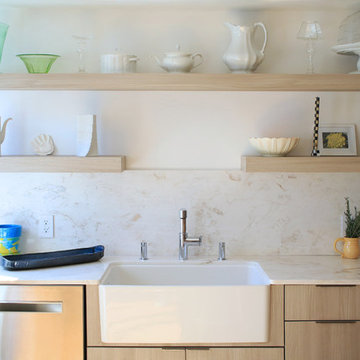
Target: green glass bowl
38, 63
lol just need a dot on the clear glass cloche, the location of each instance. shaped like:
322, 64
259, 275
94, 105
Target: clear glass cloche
349, 30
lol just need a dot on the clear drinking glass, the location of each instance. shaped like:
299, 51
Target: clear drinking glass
81, 42
310, 31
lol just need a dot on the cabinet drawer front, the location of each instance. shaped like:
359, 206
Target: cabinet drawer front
315, 341
135, 354
235, 353
313, 302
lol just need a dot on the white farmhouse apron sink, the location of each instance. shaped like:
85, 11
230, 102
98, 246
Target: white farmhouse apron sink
184, 303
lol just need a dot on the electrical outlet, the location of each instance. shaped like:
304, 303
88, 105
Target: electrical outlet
46, 226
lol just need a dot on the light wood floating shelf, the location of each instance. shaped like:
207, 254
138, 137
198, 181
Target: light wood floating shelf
181, 82
301, 164
55, 164
243, 4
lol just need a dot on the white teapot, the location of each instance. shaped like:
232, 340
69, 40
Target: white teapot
179, 62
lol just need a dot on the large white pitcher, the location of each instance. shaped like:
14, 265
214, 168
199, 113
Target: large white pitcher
241, 55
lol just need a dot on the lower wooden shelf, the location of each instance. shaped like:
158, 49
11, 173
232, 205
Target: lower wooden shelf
116, 164
306, 164
91, 164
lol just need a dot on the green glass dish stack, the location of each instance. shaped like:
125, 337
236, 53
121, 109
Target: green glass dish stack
38, 63
3, 32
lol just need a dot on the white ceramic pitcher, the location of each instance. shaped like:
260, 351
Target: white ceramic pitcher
241, 55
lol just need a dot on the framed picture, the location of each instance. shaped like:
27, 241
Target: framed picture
337, 140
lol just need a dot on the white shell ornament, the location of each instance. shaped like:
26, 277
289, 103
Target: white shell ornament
43, 145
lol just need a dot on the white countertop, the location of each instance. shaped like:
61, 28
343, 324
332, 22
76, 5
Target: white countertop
280, 270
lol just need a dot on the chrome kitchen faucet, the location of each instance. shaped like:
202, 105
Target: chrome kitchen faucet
184, 240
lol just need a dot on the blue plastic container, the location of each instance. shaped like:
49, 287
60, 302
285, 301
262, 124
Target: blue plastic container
9, 239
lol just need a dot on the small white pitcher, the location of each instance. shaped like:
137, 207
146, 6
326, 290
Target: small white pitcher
118, 63
241, 55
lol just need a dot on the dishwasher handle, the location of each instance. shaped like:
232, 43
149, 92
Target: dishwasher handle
30, 306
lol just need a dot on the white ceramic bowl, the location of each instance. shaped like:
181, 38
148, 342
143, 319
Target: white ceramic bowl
274, 146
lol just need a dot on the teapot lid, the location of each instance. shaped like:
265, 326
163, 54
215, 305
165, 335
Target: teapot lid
177, 53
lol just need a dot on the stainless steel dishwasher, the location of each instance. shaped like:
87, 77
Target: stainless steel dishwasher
41, 322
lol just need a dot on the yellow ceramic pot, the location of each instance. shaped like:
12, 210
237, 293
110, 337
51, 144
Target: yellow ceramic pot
351, 249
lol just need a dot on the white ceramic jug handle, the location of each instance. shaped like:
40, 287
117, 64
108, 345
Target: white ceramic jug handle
134, 58
193, 56
259, 24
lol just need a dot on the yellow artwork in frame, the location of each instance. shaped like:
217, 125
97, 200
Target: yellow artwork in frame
337, 140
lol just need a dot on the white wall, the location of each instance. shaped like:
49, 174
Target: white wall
253, 213
152, 31
172, 130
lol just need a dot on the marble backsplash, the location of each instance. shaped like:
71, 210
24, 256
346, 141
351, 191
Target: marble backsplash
255, 214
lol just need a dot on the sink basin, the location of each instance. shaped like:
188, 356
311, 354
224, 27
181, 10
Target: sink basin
184, 303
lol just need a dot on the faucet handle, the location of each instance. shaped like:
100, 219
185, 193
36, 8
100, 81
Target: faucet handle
143, 251
194, 241
183, 213
221, 251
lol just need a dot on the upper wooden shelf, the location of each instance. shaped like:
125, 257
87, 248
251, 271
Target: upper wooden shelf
76, 164
243, 4
181, 82
306, 164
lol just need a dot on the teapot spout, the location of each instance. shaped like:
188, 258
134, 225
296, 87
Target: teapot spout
3, 130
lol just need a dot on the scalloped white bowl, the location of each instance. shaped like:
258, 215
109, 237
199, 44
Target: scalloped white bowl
274, 146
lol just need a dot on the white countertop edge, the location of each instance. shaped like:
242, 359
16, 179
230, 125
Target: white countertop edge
281, 270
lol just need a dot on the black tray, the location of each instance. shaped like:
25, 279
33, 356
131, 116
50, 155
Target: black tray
52, 258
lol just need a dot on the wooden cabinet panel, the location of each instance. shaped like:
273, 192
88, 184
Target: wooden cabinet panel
235, 354
276, 321
135, 354
276, 316
322, 341
314, 302
93, 316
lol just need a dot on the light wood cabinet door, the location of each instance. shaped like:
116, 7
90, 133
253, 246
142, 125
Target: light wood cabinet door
235, 354
322, 302
135, 354
322, 341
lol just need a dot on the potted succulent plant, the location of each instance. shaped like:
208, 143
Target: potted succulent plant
352, 222
352, 233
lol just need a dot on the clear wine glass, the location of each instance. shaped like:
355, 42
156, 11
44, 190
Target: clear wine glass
310, 31
81, 42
